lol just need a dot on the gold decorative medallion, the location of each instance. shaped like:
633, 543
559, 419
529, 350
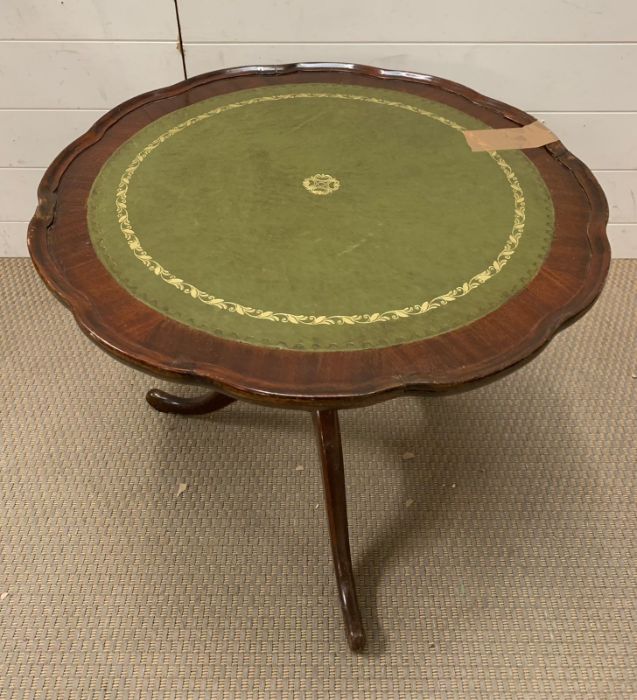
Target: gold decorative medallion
321, 184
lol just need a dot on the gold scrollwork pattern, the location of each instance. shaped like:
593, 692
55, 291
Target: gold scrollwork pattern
215, 301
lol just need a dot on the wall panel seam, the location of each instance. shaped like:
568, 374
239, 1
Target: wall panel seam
320, 43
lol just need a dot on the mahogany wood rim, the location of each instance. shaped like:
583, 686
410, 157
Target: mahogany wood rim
569, 281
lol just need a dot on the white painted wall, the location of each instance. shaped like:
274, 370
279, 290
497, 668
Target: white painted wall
572, 64
62, 64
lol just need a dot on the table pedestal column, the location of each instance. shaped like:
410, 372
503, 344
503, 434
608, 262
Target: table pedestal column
329, 441
328, 435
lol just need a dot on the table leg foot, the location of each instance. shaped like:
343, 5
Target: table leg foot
194, 406
329, 441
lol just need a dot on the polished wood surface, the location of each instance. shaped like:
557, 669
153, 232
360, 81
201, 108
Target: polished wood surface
328, 435
568, 282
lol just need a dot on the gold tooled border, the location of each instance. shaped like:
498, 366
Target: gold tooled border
339, 319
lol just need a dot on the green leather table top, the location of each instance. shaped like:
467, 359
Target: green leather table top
319, 217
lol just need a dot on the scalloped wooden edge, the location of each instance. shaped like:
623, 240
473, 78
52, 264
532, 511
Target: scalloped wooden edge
537, 337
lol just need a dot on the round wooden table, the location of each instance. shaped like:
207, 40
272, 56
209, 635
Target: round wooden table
319, 237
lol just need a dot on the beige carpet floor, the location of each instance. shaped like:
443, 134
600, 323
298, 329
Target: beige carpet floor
499, 562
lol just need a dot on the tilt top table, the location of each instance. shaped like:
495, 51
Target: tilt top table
319, 237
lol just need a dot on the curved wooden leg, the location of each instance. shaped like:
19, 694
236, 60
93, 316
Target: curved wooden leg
329, 441
195, 406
